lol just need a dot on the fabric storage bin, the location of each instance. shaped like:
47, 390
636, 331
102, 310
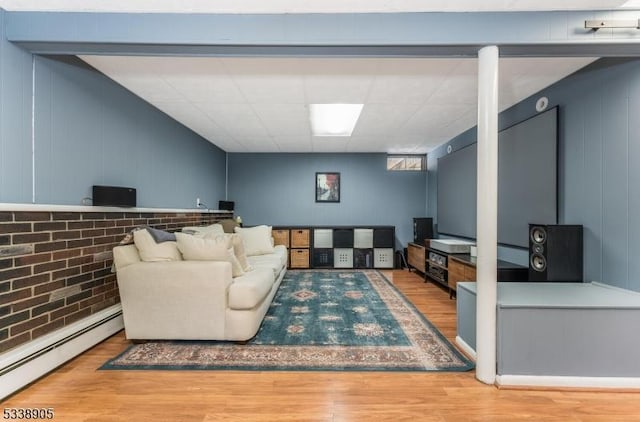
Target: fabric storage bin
323, 258
343, 238
363, 238
383, 258
323, 238
383, 238
343, 258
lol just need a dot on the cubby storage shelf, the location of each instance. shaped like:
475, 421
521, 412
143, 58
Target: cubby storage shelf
338, 246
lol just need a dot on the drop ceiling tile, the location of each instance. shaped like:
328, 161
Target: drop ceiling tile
409, 89
409, 81
374, 143
430, 117
267, 80
386, 119
409, 102
293, 144
338, 80
258, 144
198, 88
460, 86
296, 6
200, 79
329, 143
239, 120
284, 119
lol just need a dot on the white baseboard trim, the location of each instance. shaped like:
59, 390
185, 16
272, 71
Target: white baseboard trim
24, 364
567, 382
466, 348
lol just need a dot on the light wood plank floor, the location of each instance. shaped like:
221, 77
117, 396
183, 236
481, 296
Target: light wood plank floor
78, 392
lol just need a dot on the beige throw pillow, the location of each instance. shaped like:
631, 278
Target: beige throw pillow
218, 248
150, 251
238, 249
256, 240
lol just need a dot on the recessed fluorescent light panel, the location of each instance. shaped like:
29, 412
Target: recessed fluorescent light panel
334, 119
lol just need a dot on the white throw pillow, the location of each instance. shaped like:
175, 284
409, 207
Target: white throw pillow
150, 251
218, 248
256, 240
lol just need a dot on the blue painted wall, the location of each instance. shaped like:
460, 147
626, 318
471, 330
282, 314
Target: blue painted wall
89, 130
598, 166
15, 121
279, 189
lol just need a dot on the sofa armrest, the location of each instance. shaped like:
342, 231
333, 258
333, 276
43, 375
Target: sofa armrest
174, 300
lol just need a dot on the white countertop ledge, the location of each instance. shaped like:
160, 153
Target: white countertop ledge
90, 208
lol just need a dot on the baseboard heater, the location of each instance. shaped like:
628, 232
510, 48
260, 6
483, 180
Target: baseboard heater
21, 366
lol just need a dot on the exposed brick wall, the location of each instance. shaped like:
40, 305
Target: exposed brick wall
55, 267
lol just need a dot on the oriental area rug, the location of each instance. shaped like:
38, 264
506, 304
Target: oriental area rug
318, 321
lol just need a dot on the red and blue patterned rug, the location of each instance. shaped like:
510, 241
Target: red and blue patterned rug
318, 321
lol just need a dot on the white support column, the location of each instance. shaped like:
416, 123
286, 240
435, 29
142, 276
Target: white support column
487, 217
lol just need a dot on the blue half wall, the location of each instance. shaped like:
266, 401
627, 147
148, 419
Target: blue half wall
279, 189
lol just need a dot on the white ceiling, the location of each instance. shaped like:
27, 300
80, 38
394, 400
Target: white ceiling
260, 104
304, 6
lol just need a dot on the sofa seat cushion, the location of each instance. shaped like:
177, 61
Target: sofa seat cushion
275, 261
282, 252
249, 290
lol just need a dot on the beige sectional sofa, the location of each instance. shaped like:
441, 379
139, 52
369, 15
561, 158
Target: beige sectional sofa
166, 295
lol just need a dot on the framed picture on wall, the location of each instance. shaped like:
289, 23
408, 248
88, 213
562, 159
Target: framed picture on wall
327, 187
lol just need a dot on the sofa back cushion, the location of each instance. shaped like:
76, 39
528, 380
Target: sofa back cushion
251, 289
257, 240
203, 230
151, 251
218, 248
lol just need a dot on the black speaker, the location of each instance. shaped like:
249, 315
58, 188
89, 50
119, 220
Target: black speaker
422, 229
114, 196
226, 205
555, 253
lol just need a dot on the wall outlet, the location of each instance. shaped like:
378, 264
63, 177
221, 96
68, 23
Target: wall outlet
197, 202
